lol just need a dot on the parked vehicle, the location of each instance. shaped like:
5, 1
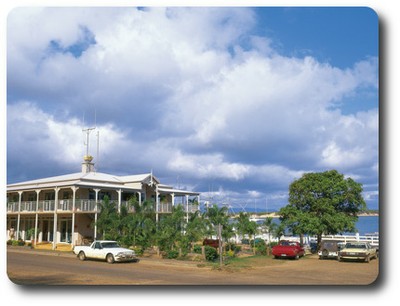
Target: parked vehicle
291, 249
106, 250
211, 242
358, 251
330, 248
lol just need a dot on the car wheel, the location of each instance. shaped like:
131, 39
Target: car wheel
110, 258
82, 256
367, 259
297, 257
339, 258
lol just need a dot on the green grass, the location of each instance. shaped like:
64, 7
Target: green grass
244, 263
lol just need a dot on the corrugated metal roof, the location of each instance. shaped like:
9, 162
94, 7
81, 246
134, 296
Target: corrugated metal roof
95, 179
177, 191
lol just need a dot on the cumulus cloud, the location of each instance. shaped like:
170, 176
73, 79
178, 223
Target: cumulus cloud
184, 91
36, 136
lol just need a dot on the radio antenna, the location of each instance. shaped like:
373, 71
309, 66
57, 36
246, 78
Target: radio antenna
98, 148
88, 130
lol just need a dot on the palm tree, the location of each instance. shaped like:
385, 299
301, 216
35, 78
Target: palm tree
170, 231
195, 228
270, 226
245, 226
215, 216
142, 223
108, 220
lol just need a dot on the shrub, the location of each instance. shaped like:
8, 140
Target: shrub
233, 247
197, 249
272, 244
138, 250
172, 254
261, 249
211, 253
230, 253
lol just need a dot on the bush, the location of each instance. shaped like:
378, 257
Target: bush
233, 247
230, 253
261, 249
258, 242
272, 244
211, 253
172, 254
197, 249
19, 242
138, 250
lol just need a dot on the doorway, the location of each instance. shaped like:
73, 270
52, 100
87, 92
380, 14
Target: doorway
65, 230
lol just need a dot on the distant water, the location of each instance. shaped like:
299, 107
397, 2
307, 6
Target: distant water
364, 225
367, 224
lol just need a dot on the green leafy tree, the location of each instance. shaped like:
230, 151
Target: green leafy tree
195, 228
170, 231
108, 221
142, 227
269, 226
215, 216
322, 203
244, 226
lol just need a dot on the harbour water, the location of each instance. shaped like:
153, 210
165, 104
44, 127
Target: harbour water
365, 225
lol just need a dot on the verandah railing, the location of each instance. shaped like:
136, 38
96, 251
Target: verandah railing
83, 205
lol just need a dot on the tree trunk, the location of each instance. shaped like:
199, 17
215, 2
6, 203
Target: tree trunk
319, 239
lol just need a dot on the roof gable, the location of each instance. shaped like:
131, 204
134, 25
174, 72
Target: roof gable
139, 178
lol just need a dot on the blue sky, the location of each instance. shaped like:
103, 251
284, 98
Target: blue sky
235, 103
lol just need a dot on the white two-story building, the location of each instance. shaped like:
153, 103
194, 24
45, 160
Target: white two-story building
63, 209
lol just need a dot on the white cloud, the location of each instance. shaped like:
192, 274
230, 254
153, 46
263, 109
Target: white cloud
34, 134
183, 90
207, 166
353, 141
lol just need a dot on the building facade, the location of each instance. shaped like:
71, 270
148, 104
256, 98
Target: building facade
64, 209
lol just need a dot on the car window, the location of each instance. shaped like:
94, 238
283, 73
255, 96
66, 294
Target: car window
355, 246
109, 245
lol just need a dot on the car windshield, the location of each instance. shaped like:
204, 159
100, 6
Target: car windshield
355, 246
288, 243
110, 244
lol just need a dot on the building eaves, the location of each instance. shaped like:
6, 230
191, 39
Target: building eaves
177, 192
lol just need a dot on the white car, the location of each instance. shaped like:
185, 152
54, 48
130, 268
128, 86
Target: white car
106, 250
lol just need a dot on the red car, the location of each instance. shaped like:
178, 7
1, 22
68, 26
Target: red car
290, 249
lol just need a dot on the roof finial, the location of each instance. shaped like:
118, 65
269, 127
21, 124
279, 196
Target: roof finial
87, 165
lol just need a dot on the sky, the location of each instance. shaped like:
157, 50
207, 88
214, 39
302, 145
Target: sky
232, 102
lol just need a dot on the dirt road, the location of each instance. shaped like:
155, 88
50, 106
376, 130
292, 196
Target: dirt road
25, 266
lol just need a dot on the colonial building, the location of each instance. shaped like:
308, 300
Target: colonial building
64, 209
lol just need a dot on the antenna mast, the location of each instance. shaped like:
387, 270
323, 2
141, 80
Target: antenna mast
98, 148
88, 130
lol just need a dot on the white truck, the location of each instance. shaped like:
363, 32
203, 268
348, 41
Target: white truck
106, 250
